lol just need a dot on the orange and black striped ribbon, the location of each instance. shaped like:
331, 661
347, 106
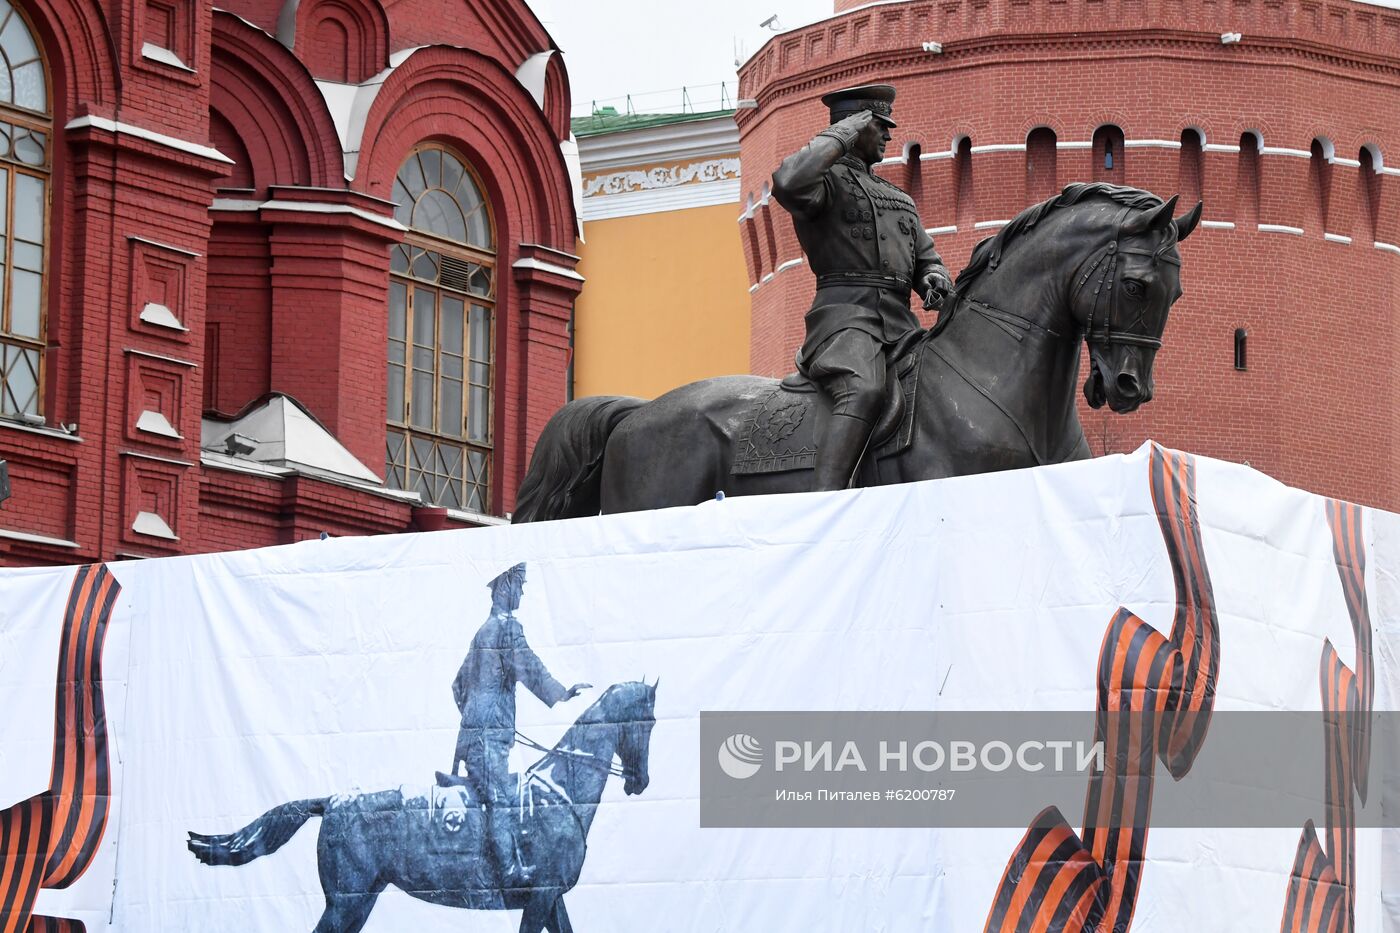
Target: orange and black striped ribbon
1155, 697
1322, 891
49, 840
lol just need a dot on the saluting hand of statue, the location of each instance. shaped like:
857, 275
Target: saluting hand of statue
576, 689
857, 122
847, 131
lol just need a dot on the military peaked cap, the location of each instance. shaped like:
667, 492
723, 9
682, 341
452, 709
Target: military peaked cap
877, 98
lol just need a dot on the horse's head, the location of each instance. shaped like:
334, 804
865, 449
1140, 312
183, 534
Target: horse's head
1120, 297
631, 707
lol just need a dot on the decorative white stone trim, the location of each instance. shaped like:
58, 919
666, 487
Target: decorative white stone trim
1074, 145
163, 55
235, 204
1220, 147
138, 455
1280, 228
36, 539
767, 278
314, 207
1151, 144
140, 132
159, 315
160, 356
153, 422
709, 171
1387, 170
867, 6
931, 156
999, 147
939, 231
1218, 224
58, 434
1388, 247
1280, 150
753, 288
790, 264
549, 267
149, 523
710, 194
165, 246
1348, 163
1336, 238
476, 517
986, 224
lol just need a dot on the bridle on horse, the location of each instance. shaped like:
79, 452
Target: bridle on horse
1106, 258
583, 758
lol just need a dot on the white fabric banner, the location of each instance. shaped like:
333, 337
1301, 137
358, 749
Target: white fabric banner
323, 673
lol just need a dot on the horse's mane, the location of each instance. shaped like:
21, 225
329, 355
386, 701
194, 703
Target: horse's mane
988, 253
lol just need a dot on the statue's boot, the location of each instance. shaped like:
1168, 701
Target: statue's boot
841, 448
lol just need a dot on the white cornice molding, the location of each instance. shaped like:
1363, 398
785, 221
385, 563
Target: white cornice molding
708, 194
140, 132
623, 182
672, 142
540, 266
311, 207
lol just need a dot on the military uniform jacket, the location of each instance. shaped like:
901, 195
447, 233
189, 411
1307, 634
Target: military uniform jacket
500, 657
865, 243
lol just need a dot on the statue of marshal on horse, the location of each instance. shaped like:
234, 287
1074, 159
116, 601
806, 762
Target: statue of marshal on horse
868, 248
877, 399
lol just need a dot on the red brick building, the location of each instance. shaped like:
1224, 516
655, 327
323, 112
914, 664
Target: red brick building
1283, 115
273, 269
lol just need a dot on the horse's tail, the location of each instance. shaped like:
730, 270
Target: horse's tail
265, 835
565, 475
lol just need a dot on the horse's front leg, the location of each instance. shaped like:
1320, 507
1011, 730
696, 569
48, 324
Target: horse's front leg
540, 913
558, 921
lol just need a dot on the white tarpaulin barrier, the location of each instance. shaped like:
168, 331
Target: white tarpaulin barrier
321, 675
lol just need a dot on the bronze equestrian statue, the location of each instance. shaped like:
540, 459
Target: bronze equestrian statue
990, 387
868, 249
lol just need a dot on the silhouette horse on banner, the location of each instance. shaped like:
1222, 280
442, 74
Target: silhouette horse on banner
49, 840
431, 844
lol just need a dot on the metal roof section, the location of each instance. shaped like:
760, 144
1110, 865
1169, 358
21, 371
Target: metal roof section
278, 432
609, 120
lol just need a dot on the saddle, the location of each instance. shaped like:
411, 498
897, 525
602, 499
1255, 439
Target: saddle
780, 429
456, 832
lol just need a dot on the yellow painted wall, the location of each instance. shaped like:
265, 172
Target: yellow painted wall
666, 302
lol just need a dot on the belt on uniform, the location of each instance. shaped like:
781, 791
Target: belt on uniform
868, 279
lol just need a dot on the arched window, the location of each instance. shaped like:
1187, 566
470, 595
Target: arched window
26, 134
1320, 155
1191, 169
1041, 152
1108, 154
442, 291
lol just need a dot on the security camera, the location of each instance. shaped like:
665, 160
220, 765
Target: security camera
771, 23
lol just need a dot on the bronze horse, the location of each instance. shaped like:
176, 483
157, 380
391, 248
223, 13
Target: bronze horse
370, 841
995, 384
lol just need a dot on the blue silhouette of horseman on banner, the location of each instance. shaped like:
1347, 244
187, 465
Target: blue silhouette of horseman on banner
484, 690
481, 840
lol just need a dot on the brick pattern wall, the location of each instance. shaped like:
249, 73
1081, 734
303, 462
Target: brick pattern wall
1298, 249
270, 275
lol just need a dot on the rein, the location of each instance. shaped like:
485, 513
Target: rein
583, 758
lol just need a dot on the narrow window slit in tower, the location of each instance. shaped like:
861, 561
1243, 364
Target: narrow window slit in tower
1241, 348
